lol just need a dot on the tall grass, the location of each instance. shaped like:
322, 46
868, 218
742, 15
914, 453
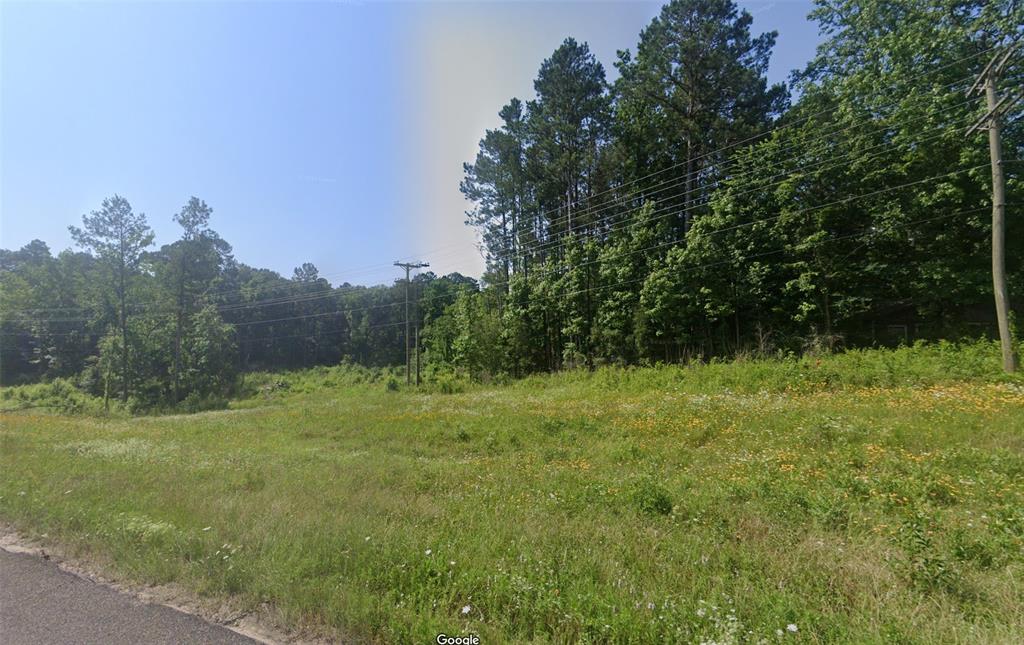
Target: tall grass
871, 496
919, 364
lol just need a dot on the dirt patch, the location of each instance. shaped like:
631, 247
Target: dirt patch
261, 624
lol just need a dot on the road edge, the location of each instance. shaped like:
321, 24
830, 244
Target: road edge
259, 625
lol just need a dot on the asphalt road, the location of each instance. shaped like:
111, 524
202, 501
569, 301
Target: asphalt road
40, 604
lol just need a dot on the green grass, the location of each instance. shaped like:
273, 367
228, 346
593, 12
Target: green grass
873, 496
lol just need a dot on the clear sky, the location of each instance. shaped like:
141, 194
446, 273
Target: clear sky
331, 133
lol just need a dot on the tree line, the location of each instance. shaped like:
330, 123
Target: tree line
156, 327
688, 209
691, 209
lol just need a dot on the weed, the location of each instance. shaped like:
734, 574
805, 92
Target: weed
652, 498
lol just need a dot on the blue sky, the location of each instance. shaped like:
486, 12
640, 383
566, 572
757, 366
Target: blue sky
330, 133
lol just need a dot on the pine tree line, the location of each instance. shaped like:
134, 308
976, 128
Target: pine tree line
687, 209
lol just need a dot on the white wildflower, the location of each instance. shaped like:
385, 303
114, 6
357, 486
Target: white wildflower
427, 552
791, 628
466, 609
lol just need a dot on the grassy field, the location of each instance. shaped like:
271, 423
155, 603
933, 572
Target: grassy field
866, 497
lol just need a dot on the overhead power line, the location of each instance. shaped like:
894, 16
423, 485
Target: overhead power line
764, 133
543, 247
619, 187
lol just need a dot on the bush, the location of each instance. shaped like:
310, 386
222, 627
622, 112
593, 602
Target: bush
59, 395
449, 384
306, 381
195, 402
651, 498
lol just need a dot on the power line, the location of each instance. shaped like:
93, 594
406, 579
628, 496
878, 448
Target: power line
774, 129
653, 247
285, 299
717, 231
544, 247
671, 210
761, 134
586, 225
408, 266
557, 243
696, 267
335, 291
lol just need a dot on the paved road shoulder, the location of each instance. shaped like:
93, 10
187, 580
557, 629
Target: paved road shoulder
40, 603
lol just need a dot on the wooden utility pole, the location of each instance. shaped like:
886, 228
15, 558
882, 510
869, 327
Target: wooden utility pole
417, 354
408, 266
995, 108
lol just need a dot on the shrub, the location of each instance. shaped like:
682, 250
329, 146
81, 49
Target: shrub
449, 384
651, 498
195, 402
58, 395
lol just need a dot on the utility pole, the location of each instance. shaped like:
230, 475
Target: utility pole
408, 266
995, 108
417, 354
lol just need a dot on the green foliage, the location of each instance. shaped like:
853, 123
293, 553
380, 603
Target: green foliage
270, 385
919, 365
117, 236
197, 319
670, 504
672, 120
59, 395
447, 383
864, 208
477, 334
652, 498
208, 359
